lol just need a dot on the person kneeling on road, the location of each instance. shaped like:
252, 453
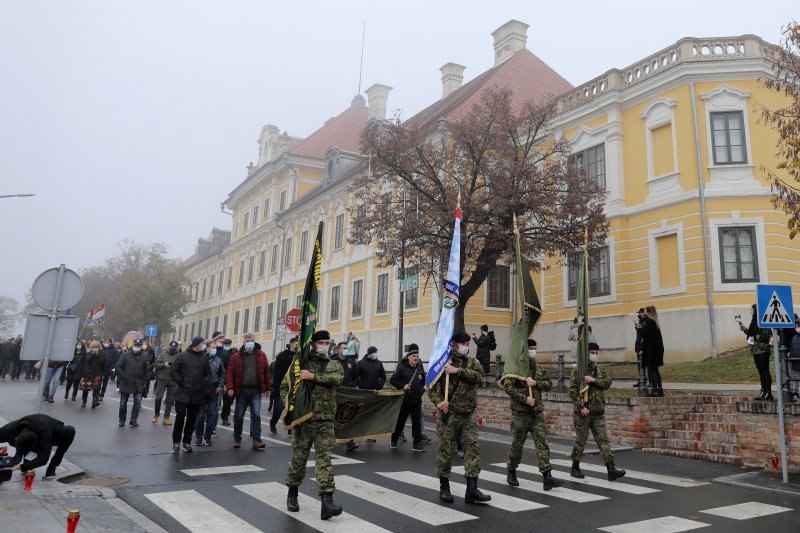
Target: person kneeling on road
34, 437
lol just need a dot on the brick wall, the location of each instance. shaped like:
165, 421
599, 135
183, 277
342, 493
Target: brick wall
758, 433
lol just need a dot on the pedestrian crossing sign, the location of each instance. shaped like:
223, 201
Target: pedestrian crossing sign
774, 306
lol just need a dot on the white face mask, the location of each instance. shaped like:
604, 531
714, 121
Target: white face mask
532, 354
322, 349
463, 349
137, 349
593, 357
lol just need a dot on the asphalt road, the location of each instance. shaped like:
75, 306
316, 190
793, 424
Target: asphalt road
394, 490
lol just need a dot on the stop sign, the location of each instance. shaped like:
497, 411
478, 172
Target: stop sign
293, 320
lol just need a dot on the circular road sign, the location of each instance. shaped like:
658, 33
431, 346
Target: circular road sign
293, 320
44, 289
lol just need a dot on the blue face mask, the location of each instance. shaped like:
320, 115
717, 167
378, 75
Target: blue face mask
375, 356
249, 346
202, 347
213, 352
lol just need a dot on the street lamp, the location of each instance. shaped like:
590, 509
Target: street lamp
17, 195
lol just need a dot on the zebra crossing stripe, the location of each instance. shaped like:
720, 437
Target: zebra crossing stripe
337, 460
233, 469
501, 501
591, 481
274, 495
526, 484
635, 474
745, 511
197, 513
665, 524
422, 510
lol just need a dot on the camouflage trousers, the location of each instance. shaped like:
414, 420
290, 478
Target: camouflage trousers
521, 425
460, 426
320, 434
597, 425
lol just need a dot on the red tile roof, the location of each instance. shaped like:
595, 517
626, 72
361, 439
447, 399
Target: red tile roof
343, 131
526, 75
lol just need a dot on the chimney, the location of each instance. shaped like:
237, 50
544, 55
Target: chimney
452, 78
509, 39
377, 95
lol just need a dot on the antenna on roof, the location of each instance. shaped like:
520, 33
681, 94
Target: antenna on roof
361, 66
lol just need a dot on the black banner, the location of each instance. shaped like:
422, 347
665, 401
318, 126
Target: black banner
365, 414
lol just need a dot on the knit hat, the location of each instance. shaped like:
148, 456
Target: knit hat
413, 349
531, 343
484, 328
320, 335
461, 336
216, 335
197, 341
372, 350
594, 347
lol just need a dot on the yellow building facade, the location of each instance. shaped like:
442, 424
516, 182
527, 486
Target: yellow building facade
676, 141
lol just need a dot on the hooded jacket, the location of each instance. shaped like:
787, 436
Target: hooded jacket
190, 372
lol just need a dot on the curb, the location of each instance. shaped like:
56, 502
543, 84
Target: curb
749, 480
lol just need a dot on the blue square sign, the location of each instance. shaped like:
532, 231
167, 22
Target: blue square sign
151, 330
774, 306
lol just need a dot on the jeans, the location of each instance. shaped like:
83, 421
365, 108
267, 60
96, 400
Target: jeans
248, 397
123, 406
277, 410
207, 417
51, 378
185, 418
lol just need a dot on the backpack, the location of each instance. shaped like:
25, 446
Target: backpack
493, 345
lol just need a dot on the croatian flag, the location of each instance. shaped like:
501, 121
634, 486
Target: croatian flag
96, 316
444, 334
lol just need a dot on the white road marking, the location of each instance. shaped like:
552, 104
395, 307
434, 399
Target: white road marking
745, 511
501, 501
195, 512
337, 461
233, 469
525, 484
635, 474
422, 510
274, 495
591, 481
666, 524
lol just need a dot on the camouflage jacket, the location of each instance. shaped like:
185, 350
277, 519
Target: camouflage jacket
323, 397
462, 396
761, 341
517, 390
596, 403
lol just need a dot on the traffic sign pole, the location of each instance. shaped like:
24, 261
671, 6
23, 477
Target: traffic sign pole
48, 343
781, 422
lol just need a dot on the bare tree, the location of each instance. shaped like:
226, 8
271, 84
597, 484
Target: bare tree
786, 121
501, 156
9, 314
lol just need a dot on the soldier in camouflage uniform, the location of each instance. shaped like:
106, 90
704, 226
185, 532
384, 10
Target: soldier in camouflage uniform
590, 416
325, 375
759, 341
527, 415
456, 419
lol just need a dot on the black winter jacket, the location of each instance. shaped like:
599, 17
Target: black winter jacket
282, 363
405, 374
370, 374
484, 353
191, 372
349, 371
652, 343
91, 366
111, 356
132, 369
40, 424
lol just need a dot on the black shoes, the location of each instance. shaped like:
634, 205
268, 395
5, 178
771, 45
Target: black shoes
417, 447
614, 472
473, 495
425, 439
187, 447
329, 509
291, 500
176, 447
511, 478
550, 482
444, 490
576, 470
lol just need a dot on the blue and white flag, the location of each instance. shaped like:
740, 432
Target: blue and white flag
444, 334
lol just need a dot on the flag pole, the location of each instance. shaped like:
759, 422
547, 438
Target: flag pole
522, 299
446, 375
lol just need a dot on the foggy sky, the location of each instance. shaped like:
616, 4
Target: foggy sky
135, 119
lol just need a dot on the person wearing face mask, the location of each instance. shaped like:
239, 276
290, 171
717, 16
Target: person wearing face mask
165, 383
348, 363
370, 373
247, 379
527, 416
410, 377
110, 354
150, 354
132, 373
209, 409
590, 415
71, 371
190, 371
90, 370
456, 419
225, 352
322, 375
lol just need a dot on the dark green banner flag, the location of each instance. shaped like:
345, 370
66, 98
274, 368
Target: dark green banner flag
298, 400
365, 414
582, 363
517, 364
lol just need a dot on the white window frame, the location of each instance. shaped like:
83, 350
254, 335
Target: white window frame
612, 265
714, 225
338, 302
361, 299
284, 201
659, 113
652, 237
511, 288
338, 232
388, 293
406, 307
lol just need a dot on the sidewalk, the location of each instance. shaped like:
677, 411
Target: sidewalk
738, 388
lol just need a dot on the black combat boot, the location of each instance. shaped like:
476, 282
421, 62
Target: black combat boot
329, 509
576, 470
511, 479
613, 471
291, 500
473, 495
444, 490
550, 482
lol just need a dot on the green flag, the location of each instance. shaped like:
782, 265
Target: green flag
298, 400
517, 364
582, 363
366, 414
